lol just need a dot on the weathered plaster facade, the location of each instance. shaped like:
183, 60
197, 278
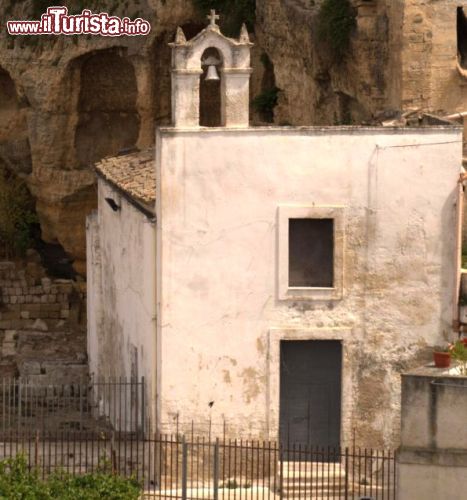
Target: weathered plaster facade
220, 316
214, 272
121, 284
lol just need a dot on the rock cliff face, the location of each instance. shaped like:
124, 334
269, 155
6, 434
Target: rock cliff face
315, 88
66, 102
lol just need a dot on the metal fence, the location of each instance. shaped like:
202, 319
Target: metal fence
88, 405
170, 467
82, 427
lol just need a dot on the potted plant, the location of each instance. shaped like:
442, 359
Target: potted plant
463, 309
459, 354
442, 357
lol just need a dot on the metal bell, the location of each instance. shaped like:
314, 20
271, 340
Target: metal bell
212, 74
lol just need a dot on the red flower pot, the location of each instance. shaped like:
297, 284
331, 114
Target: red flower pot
442, 359
464, 340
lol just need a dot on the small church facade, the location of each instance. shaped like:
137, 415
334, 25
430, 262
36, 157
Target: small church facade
271, 282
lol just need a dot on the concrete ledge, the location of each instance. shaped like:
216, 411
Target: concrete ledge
443, 458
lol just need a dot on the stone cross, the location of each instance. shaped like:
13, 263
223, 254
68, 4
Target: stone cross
213, 17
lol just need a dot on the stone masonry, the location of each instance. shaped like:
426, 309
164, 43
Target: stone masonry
42, 330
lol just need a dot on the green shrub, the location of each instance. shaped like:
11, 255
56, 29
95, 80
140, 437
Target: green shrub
459, 353
265, 103
336, 21
19, 483
93, 487
464, 259
233, 13
17, 215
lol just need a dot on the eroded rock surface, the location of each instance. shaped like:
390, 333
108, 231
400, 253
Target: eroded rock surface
66, 102
316, 88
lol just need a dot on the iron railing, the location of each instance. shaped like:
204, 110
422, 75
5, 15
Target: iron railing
172, 467
82, 427
88, 405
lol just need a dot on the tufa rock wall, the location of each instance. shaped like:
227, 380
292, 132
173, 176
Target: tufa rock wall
317, 88
66, 102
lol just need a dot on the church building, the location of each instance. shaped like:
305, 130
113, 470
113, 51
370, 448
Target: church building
271, 281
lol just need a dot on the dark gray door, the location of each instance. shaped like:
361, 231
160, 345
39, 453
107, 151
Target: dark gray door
310, 393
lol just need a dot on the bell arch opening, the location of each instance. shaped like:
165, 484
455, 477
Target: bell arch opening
210, 91
108, 120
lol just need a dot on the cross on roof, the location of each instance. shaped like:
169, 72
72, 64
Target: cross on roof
213, 17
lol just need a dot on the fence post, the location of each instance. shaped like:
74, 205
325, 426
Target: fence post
184, 468
36, 450
143, 406
113, 453
216, 470
347, 472
281, 472
19, 402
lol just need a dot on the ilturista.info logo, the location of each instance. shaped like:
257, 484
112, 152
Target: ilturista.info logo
57, 21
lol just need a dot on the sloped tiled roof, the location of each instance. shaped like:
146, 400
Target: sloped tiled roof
133, 173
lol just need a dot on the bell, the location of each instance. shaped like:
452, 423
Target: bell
212, 74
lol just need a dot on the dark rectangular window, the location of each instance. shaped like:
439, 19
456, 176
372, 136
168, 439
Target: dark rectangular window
311, 253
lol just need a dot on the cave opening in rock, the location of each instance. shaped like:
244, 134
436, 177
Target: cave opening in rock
15, 150
108, 118
8, 101
266, 101
462, 37
210, 98
55, 260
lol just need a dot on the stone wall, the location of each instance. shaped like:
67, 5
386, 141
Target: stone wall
430, 77
432, 459
42, 322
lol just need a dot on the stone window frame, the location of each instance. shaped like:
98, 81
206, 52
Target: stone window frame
287, 212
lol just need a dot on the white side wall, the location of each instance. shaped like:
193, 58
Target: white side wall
220, 321
94, 290
121, 295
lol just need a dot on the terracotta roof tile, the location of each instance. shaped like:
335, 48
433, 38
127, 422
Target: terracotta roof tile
134, 173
